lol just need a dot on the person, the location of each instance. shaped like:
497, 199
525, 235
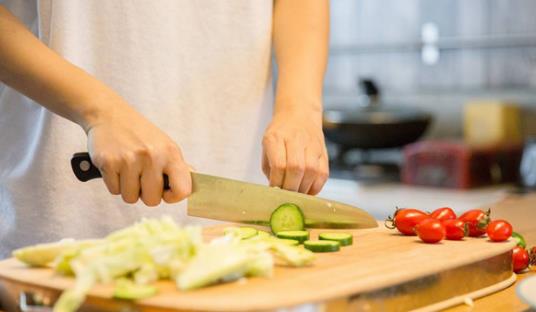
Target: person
158, 87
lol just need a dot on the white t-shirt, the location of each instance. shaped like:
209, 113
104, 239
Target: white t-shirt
199, 70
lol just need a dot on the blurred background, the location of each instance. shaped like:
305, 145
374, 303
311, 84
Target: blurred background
446, 89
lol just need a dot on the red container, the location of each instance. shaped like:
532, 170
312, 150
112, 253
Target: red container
453, 164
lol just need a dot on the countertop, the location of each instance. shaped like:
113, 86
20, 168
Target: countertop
381, 199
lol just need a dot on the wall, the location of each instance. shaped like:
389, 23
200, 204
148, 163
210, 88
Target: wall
488, 50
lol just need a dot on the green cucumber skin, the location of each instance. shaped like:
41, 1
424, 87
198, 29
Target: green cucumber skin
321, 246
302, 237
277, 221
346, 241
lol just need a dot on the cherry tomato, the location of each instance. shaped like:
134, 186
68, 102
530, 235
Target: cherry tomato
520, 259
430, 230
477, 220
455, 229
405, 220
442, 214
499, 230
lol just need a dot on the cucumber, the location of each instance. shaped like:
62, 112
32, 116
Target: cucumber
519, 239
300, 236
287, 241
344, 239
243, 232
287, 217
321, 245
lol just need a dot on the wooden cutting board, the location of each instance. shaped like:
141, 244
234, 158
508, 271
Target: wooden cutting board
382, 270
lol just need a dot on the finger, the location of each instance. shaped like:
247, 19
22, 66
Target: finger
322, 176
111, 179
180, 183
277, 160
129, 179
295, 165
265, 165
109, 168
310, 173
151, 186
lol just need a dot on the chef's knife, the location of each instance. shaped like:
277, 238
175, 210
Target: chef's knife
235, 201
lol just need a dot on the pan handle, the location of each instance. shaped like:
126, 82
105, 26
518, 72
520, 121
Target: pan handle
85, 170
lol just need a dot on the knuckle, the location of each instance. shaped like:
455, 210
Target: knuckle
311, 168
99, 159
296, 167
269, 137
279, 166
129, 159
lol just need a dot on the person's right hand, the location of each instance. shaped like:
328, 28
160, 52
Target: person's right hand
132, 155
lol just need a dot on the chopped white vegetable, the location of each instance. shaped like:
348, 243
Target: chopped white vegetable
156, 249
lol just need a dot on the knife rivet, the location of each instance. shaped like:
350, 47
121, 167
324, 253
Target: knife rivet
84, 165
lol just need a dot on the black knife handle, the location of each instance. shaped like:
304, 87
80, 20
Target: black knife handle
85, 170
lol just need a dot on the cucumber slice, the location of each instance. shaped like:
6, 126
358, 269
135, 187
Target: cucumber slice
321, 245
300, 236
287, 217
290, 242
243, 232
519, 239
344, 239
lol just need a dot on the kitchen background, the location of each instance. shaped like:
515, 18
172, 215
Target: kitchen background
436, 56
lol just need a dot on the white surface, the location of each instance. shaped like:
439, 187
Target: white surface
381, 199
526, 290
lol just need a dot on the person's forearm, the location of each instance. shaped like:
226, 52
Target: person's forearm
300, 35
30, 67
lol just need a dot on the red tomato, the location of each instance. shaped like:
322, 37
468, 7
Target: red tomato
520, 259
430, 230
405, 220
455, 229
477, 220
443, 214
499, 230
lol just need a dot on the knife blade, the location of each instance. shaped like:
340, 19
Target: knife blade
236, 201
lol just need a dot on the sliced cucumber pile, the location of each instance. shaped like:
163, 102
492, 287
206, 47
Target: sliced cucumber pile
243, 232
321, 245
300, 236
343, 239
287, 217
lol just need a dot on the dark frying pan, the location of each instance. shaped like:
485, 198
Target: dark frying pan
374, 126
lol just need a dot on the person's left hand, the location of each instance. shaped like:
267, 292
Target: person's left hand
294, 151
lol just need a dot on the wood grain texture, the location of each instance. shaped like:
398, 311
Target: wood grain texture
521, 212
378, 258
